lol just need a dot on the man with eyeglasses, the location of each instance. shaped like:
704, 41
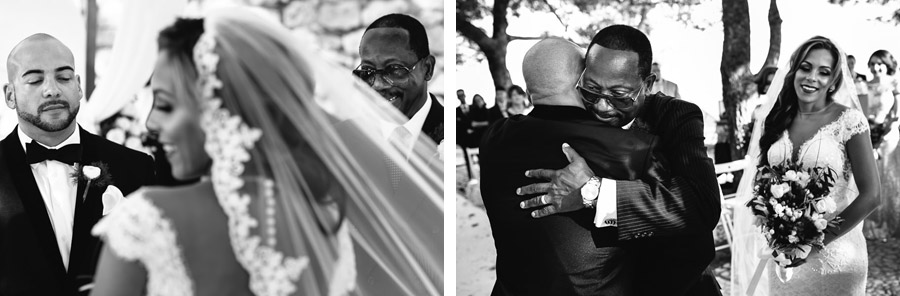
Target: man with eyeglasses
563, 254
668, 222
396, 62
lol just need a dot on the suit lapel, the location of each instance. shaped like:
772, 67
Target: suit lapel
32, 200
88, 210
434, 122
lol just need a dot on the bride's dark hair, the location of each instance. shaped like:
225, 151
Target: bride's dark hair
178, 41
787, 106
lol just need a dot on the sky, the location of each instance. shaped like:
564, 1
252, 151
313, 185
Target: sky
691, 57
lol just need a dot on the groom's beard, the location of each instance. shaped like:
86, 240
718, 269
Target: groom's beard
35, 119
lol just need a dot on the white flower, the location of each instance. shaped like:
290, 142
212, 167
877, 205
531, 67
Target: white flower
778, 190
136, 129
779, 209
134, 143
91, 172
123, 123
798, 213
791, 176
793, 239
800, 252
803, 178
782, 259
821, 224
830, 205
111, 198
759, 221
815, 216
116, 135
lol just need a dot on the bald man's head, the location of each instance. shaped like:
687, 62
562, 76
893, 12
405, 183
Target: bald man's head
43, 88
551, 68
36, 46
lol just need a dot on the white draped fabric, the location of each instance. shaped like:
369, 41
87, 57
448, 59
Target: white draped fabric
132, 58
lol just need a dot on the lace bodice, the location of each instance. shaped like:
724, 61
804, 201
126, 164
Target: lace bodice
137, 230
826, 148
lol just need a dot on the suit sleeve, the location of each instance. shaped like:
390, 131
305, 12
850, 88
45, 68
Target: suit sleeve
149, 169
685, 201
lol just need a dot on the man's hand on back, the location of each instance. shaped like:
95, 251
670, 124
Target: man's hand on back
562, 194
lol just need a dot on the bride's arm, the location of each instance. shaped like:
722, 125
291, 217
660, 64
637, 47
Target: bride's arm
117, 276
862, 162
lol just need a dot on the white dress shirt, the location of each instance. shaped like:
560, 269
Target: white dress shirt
59, 190
413, 128
606, 215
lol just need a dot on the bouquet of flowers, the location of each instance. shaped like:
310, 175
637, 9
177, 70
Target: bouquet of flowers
877, 132
793, 206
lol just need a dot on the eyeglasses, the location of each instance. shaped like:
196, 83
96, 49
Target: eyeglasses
619, 102
393, 74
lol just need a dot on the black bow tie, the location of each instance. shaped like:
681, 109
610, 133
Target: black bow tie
69, 154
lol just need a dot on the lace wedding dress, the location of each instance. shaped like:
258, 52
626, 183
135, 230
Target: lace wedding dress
840, 268
160, 227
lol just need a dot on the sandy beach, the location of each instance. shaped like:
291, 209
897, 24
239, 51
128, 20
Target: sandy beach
475, 253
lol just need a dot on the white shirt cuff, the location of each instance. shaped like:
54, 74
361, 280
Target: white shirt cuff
606, 204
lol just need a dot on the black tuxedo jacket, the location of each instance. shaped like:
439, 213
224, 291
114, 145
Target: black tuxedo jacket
433, 127
494, 114
560, 254
669, 224
30, 263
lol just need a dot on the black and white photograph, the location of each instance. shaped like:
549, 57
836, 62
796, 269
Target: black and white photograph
222, 147
706, 147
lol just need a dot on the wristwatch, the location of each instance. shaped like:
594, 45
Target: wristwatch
590, 191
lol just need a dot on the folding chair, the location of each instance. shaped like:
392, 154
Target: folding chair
725, 175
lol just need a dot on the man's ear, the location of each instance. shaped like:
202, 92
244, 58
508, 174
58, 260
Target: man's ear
78, 82
650, 80
429, 67
9, 93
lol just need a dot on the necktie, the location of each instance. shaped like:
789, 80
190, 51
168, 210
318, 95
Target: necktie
399, 139
69, 154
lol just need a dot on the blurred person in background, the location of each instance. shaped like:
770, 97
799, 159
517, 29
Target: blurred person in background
661, 85
498, 111
883, 93
518, 101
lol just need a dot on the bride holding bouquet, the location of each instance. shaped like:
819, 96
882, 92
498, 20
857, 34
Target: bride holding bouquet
815, 182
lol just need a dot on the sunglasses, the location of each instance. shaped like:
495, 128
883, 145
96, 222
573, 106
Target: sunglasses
624, 101
393, 74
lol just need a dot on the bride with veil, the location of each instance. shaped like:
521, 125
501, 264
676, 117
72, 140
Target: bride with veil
814, 118
287, 147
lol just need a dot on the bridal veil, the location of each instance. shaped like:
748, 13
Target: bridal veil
297, 158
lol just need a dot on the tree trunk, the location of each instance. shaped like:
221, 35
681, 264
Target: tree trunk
735, 70
774, 35
737, 81
494, 47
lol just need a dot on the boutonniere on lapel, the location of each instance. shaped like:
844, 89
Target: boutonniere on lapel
96, 175
440, 151
437, 134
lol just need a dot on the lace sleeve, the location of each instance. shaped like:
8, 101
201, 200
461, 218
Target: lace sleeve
137, 230
854, 123
129, 229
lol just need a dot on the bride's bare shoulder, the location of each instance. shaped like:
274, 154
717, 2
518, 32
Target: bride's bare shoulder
182, 202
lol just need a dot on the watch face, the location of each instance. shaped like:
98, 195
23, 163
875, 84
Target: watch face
589, 192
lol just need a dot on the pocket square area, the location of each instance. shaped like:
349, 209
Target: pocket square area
111, 198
